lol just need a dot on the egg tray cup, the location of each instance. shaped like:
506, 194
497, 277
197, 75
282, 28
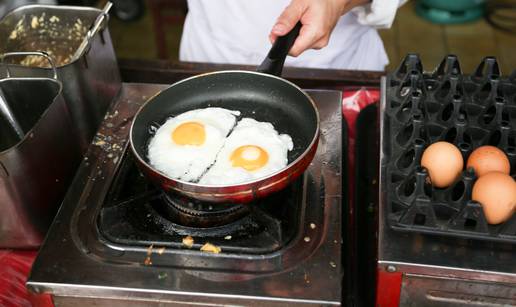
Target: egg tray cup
444, 105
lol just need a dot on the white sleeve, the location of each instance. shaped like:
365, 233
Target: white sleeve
379, 13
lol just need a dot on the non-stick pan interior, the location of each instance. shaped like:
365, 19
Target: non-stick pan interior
262, 97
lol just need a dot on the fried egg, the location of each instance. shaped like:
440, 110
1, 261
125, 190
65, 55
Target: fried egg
253, 150
186, 145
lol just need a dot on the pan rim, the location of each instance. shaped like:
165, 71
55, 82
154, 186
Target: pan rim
315, 137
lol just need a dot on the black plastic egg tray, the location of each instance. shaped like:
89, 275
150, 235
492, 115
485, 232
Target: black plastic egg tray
444, 105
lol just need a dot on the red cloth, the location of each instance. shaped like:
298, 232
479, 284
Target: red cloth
14, 269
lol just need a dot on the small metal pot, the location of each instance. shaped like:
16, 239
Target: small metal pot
39, 153
81, 47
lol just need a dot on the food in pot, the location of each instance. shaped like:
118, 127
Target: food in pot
186, 145
496, 192
487, 159
58, 37
444, 163
253, 150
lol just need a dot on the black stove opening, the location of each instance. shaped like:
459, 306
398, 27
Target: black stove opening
136, 213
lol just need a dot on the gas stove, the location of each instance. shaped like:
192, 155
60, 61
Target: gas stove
119, 241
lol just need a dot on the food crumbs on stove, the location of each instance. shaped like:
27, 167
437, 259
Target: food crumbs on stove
374, 181
147, 261
335, 241
161, 250
227, 238
333, 265
188, 241
307, 239
210, 248
162, 275
306, 278
149, 249
312, 225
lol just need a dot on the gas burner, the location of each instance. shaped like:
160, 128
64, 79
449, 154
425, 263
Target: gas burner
136, 213
190, 212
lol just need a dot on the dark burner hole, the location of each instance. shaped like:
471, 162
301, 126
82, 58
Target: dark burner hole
406, 159
489, 115
394, 83
458, 191
499, 99
470, 224
396, 178
416, 94
395, 104
495, 138
419, 219
397, 207
419, 142
447, 112
505, 124
511, 149
494, 77
457, 97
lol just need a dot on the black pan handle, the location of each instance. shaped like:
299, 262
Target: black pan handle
273, 63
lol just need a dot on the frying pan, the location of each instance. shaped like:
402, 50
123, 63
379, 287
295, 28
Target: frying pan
261, 95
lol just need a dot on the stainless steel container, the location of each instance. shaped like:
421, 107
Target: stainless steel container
39, 153
78, 40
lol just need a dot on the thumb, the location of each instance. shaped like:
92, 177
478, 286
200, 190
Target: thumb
288, 19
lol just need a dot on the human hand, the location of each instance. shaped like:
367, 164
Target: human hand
318, 17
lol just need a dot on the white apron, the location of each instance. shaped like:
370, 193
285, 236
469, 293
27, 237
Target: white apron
237, 31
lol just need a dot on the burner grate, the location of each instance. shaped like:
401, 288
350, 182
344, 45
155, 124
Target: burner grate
138, 214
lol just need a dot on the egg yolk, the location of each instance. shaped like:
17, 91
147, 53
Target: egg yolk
249, 157
189, 133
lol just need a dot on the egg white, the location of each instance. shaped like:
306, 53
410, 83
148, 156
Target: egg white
189, 162
249, 132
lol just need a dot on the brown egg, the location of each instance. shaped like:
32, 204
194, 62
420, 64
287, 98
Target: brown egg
487, 159
444, 163
496, 192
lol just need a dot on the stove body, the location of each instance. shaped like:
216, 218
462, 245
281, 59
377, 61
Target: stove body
112, 244
415, 269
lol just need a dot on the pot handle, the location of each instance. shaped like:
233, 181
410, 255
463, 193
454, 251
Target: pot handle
98, 25
273, 63
27, 53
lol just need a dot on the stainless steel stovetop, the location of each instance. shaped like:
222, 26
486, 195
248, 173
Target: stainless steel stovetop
88, 259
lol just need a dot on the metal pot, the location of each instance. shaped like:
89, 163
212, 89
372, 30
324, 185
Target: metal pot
39, 153
80, 44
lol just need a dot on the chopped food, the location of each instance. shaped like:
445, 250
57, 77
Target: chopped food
149, 250
210, 248
188, 241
